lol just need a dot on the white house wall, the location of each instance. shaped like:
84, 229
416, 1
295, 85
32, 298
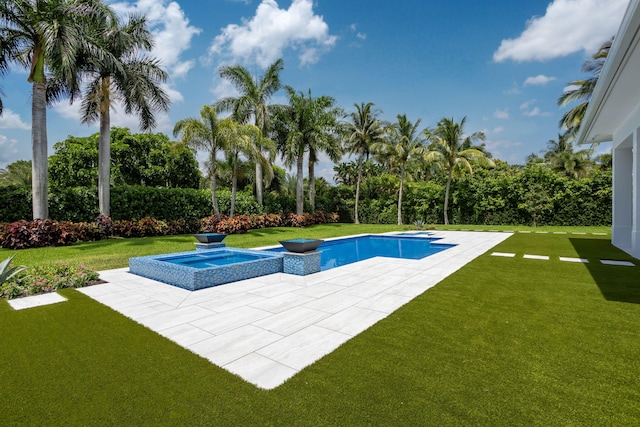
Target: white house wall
623, 193
628, 126
625, 231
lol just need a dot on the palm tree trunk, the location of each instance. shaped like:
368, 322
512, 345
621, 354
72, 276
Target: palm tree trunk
258, 182
39, 164
214, 196
312, 185
356, 219
299, 186
446, 198
234, 184
104, 154
400, 195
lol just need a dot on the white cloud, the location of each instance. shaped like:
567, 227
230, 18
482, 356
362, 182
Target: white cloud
536, 112
525, 105
68, 111
502, 144
361, 36
498, 130
171, 32
539, 80
223, 89
514, 90
11, 120
8, 149
568, 26
503, 149
501, 114
266, 35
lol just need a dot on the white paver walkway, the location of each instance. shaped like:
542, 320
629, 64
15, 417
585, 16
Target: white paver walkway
35, 301
269, 328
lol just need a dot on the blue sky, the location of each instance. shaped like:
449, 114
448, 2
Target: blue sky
501, 63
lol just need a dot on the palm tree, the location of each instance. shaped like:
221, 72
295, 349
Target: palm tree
17, 173
207, 134
557, 147
404, 142
581, 91
127, 76
328, 142
242, 140
447, 148
307, 124
562, 159
345, 173
361, 131
123, 75
46, 36
252, 101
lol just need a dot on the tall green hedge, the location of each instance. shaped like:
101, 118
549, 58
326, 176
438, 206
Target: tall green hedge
127, 202
486, 197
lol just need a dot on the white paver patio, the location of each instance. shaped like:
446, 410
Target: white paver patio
269, 328
35, 301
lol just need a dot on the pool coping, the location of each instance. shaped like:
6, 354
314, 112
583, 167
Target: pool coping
268, 328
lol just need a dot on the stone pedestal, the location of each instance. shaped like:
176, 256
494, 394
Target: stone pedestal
301, 264
208, 246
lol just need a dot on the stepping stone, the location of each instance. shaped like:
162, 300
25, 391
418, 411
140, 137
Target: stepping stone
541, 257
568, 259
576, 232
508, 231
503, 254
599, 234
35, 301
524, 232
542, 232
614, 262
559, 232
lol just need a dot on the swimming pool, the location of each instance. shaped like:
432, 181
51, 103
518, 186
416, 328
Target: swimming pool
339, 252
203, 269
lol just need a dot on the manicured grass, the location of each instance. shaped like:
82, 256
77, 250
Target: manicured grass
500, 342
545, 228
115, 253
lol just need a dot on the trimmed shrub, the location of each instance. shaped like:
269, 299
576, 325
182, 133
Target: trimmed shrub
16, 204
37, 233
239, 224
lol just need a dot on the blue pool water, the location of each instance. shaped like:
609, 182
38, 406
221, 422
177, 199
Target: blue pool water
336, 253
206, 260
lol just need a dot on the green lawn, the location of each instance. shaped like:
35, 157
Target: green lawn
114, 253
500, 342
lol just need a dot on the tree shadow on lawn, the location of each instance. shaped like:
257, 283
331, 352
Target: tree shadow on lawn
616, 283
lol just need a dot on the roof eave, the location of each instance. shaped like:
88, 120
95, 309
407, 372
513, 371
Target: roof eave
624, 39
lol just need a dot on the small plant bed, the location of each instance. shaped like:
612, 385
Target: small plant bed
47, 278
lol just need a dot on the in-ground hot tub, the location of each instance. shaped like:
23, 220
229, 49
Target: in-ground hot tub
203, 269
